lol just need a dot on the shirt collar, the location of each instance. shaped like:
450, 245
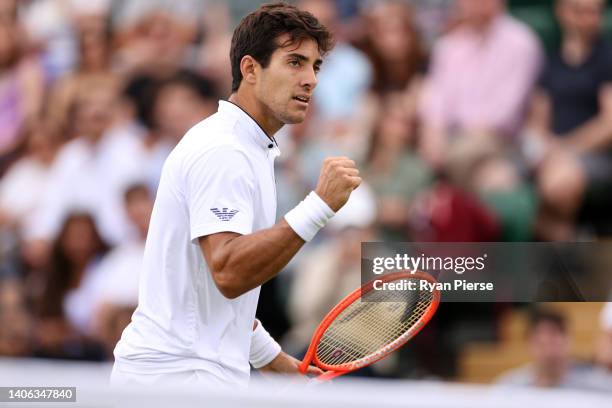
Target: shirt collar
256, 132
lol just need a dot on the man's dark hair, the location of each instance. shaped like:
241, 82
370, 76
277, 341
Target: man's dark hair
258, 32
539, 316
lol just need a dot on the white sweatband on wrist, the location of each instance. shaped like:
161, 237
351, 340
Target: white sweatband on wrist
309, 216
264, 348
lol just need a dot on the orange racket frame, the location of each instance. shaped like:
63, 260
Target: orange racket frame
335, 371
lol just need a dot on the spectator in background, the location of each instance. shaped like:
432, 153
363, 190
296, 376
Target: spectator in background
21, 82
118, 273
15, 320
155, 45
393, 45
22, 188
604, 347
600, 378
338, 124
127, 14
66, 307
433, 17
161, 112
393, 169
570, 127
346, 75
552, 365
180, 102
22, 191
91, 171
476, 90
93, 65
472, 108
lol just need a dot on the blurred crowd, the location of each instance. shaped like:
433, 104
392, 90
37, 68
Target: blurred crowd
465, 127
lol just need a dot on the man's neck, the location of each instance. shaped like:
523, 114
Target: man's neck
483, 28
575, 49
258, 112
550, 376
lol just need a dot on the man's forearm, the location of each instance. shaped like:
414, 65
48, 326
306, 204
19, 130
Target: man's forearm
594, 135
245, 262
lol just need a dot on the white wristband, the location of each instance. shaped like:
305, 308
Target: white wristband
309, 216
264, 348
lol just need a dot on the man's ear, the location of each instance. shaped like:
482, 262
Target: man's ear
249, 69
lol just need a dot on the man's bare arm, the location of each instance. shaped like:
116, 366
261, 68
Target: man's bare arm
538, 119
240, 263
596, 134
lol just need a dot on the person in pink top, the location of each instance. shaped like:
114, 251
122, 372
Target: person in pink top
480, 76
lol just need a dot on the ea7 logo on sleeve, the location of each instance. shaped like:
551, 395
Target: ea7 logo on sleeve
224, 214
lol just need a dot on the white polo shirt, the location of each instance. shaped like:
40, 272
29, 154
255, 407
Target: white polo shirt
220, 177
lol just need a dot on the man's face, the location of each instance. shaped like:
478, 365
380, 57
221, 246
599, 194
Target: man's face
581, 17
479, 13
285, 86
139, 208
94, 111
550, 345
177, 108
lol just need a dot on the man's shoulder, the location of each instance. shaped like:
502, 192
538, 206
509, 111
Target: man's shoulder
518, 32
215, 133
506, 29
209, 130
206, 157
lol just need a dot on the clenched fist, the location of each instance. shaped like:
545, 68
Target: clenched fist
338, 178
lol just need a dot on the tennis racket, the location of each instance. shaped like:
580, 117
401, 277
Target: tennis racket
370, 324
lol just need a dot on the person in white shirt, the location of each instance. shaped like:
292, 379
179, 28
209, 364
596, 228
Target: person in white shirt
213, 240
91, 171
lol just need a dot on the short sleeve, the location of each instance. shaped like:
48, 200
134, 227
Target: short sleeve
220, 187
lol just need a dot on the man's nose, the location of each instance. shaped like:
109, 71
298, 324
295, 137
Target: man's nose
310, 80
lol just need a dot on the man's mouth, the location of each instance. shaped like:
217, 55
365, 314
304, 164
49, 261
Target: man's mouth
302, 98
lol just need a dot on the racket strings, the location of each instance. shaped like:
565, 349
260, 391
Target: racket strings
365, 327
344, 348
370, 330
368, 343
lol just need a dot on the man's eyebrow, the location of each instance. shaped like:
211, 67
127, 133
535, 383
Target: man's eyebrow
301, 57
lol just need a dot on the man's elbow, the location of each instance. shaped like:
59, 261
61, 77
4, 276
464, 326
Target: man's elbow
228, 284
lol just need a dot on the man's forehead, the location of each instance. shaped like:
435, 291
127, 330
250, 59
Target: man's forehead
307, 47
585, 3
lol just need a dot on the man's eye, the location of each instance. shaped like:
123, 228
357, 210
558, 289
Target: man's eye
294, 63
317, 69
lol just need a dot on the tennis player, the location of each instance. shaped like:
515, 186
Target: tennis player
213, 239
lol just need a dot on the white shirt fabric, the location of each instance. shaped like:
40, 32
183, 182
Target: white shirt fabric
120, 269
220, 177
22, 188
79, 303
